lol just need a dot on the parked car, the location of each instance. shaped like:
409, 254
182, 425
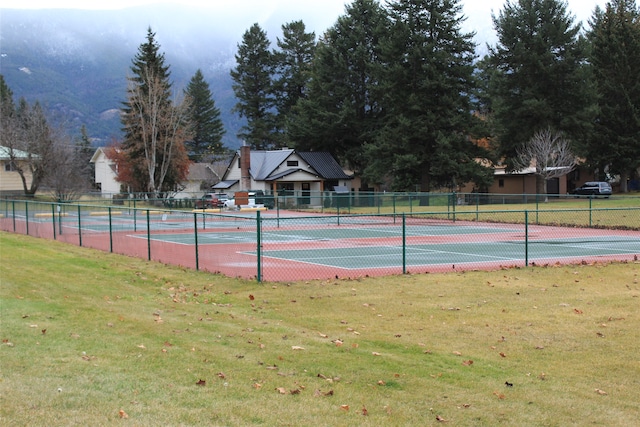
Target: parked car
255, 197
262, 199
209, 201
593, 188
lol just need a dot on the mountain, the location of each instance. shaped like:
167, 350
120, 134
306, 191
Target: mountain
75, 62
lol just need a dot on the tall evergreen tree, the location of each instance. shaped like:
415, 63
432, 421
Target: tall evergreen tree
7, 108
292, 68
253, 88
427, 80
204, 116
615, 56
155, 128
342, 112
539, 78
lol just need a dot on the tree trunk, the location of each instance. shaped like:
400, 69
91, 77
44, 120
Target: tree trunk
624, 176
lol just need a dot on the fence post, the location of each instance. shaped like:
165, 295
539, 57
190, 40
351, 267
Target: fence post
195, 235
590, 211
26, 215
526, 238
13, 214
110, 230
404, 244
259, 246
148, 235
79, 227
59, 209
453, 203
53, 219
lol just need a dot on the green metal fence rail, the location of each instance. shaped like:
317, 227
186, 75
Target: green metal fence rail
395, 233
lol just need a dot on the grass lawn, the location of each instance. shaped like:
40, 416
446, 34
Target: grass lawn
90, 338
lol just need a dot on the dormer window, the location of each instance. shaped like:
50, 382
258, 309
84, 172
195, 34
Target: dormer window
292, 163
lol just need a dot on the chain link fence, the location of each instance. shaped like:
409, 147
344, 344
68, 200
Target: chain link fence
388, 234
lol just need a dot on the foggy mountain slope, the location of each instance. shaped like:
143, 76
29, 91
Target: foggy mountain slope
75, 62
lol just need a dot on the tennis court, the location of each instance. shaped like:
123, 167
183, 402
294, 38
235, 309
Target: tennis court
277, 247
357, 250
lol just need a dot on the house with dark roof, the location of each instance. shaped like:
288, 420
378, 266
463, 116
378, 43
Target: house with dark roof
284, 172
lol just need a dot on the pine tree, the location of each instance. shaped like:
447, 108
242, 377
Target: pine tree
253, 88
427, 79
539, 78
292, 69
342, 111
7, 108
155, 128
204, 117
615, 55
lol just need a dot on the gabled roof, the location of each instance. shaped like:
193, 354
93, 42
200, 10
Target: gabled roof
285, 173
200, 172
263, 163
5, 153
324, 163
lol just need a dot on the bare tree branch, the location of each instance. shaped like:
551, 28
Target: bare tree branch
549, 152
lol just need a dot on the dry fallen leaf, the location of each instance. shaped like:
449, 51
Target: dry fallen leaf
375, 353
439, 418
257, 386
123, 414
201, 383
281, 390
502, 354
364, 411
467, 362
296, 347
344, 407
251, 297
601, 392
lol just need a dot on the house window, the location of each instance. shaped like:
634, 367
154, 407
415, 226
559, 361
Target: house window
501, 183
292, 163
10, 167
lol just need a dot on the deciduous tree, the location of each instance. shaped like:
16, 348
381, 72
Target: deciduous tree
549, 152
155, 126
27, 138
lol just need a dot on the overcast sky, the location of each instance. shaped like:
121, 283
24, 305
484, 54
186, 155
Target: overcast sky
318, 15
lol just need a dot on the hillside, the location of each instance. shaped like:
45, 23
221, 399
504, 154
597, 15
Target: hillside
75, 62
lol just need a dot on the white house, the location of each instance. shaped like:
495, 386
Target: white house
106, 172
285, 170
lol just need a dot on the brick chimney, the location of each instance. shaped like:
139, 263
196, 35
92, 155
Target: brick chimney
245, 166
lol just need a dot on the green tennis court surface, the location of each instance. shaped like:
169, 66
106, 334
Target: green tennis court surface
324, 234
381, 247
459, 253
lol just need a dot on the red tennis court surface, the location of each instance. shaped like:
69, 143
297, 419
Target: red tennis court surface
299, 248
